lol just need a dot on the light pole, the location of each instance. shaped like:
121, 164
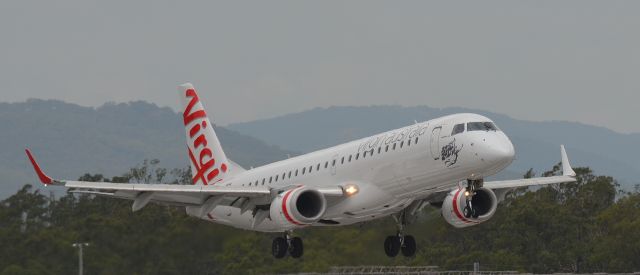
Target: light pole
79, 246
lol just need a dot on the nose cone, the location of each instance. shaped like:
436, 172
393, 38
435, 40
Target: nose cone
504, 152
500, 152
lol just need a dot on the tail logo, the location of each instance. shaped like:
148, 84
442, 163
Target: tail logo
205, 164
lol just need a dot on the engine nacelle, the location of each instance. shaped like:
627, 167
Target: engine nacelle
298, 207
484, 201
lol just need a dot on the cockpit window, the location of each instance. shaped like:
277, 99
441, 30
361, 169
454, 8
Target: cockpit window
459, 128
481, 126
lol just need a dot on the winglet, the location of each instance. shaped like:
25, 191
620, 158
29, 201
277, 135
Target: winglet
566, 167
46, 180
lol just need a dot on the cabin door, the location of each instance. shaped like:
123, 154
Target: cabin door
435, 142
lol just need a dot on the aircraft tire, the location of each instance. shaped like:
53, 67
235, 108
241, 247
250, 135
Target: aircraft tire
296, 249
392, 246
279, 247
409, 247
467, 212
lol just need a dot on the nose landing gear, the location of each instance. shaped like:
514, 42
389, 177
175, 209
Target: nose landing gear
469, 210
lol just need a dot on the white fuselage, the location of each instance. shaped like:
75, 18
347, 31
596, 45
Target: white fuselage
391, 170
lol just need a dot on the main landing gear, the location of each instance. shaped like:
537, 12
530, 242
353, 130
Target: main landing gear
400, 242
469, 210
287, 244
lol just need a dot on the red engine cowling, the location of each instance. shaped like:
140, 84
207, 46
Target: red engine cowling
298, 207
484, 201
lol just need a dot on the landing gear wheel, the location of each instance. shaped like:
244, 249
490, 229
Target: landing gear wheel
296, 248
409, 246
474, 213
392, 246
468, 212
279, 247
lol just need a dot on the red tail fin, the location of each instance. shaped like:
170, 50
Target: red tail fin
209, 163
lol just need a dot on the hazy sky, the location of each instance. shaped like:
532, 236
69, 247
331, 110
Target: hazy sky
537, 60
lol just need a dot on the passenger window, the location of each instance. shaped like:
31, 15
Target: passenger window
270, 179
277, 178
401, 143
416, 142
350, 158
318, 167
394, 146
379, 149
304, 169
256, 183
459, 128
296, 172
371, 152
283, 175
386, 149
364, 155
333, 163
326, 164
263, 181
409, 142
357, 156
310, 168
342, 162
289, 174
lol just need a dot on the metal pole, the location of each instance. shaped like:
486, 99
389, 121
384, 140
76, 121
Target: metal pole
80, 254
80, 260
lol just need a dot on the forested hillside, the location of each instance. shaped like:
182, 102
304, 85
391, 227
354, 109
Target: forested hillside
577, 227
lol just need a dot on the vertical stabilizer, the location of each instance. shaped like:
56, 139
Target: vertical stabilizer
208, 162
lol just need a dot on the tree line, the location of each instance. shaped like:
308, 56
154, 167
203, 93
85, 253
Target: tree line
586, 226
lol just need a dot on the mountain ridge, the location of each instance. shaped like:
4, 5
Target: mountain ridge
69, 140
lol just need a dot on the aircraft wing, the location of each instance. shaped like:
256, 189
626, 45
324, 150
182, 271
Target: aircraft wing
568, 175
509, 184
172, 194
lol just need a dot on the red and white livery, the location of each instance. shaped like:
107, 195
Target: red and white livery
441, 162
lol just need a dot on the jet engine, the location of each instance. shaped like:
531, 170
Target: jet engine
483, 203
298, 207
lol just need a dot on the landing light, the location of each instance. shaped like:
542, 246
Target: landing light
351, 190
466, 193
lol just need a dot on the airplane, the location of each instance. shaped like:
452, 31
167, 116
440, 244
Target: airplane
441, 162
